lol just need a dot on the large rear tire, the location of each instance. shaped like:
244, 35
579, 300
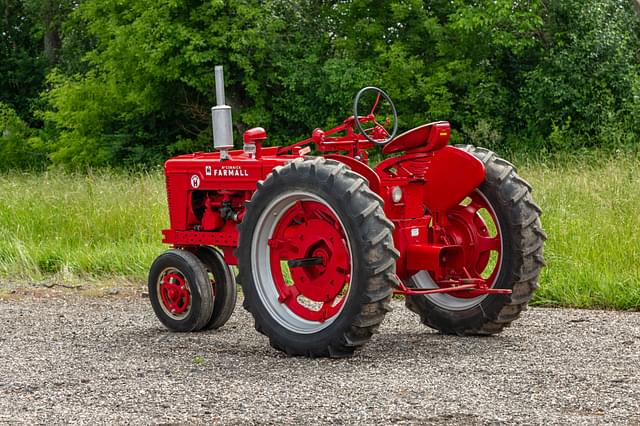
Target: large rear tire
317, 259
519, 256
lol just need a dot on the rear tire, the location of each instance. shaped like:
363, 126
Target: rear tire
522, 257
316, 200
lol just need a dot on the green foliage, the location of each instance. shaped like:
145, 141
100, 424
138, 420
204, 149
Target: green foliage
590, 214
20, 147
585, 86
100, 122
134, 84
80, 225
22, 64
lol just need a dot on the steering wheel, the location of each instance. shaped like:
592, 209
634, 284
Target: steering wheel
381, 135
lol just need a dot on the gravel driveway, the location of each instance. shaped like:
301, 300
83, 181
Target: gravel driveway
107, 360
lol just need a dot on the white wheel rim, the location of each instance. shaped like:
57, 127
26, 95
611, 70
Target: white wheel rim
261, 267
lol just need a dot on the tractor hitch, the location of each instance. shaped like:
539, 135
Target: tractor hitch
434, 257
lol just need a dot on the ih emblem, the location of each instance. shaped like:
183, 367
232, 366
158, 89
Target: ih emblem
195, 181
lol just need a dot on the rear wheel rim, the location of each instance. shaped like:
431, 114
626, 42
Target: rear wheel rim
294, 226
173, 293
468, 226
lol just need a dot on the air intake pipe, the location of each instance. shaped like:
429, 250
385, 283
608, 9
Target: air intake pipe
221, 118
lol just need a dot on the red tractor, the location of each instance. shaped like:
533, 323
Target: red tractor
323, 242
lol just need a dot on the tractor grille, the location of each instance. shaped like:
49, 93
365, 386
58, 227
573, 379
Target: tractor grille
169, 185
177, 198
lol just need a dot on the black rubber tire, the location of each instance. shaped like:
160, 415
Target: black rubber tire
224, 286
196, 278
373, 257
523, 240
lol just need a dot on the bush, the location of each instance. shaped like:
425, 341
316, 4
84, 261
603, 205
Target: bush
584, 91
553, 75
20, 147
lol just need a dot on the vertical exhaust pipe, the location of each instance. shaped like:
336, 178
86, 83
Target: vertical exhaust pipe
221, 118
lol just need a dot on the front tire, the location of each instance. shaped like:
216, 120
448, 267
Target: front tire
224, 286
180, 291
317, 259
519, 258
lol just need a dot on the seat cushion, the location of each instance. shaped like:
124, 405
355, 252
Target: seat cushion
427, 137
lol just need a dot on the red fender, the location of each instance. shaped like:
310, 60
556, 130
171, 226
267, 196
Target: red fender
451, 176
360, 168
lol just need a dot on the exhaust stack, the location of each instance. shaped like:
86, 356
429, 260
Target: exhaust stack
221, 118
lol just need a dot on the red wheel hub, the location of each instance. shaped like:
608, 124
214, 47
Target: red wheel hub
467, 228
174, 293
310, 261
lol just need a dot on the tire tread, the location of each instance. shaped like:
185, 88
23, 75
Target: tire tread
373, 230
528, 236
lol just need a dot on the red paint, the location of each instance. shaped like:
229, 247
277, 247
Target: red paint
432, 232
428, 137
174, 294
256, 134
451, 176
361, 168
311, 230
433, 257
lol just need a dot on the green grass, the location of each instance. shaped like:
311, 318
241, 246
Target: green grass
107, 224
591, 214
96, 225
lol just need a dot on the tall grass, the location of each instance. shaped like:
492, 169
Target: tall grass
591, 213
69, 225
107, 224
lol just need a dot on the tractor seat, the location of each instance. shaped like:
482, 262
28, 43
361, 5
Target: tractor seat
425, 138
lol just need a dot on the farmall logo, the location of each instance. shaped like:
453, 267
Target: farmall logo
230, 171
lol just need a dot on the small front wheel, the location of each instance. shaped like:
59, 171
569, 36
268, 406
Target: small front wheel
223, 283
180, 291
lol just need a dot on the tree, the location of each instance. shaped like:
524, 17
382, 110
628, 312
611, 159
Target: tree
552, 74
585, 87
23, 67
20, 147
50, 15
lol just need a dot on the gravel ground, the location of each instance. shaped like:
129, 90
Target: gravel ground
78, 359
